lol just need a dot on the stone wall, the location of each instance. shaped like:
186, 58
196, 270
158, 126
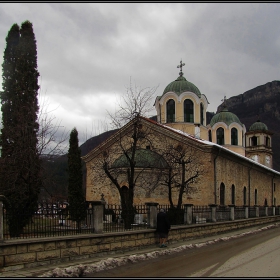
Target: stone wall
25, 253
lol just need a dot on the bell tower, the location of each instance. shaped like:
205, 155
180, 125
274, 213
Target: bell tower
259, 144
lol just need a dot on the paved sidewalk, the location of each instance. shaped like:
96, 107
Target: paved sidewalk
40, 270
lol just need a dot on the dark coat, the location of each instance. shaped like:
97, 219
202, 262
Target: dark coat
163, 224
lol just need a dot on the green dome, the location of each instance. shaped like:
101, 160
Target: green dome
181, 85
258, 126
144, 158
226, 117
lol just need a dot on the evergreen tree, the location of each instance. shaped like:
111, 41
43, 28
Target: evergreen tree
20, 164
8, 96
76, 199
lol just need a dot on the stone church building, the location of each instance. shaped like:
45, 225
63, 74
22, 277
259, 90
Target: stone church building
233, 165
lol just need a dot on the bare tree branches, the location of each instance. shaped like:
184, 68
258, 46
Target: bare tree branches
186, 168
51, 135
136, 101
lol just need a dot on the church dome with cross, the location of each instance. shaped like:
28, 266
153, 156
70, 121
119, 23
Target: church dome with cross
181, 85
182, 106
226, 129
225, 116
258, 125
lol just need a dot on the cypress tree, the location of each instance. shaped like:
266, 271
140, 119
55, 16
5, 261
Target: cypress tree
76, 197
20, 179
8, 95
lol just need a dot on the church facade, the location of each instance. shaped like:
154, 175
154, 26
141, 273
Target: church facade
234, 165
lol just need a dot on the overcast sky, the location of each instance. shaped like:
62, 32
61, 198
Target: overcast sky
88, 52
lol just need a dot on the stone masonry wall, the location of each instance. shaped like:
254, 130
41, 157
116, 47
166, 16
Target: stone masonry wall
24, 253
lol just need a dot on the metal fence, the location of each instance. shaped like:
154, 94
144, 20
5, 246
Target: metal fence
239, 212
222, 213
53, 219
49, 220
270, 211
114, 218
262, 211
174, 214
252, 212
201, 214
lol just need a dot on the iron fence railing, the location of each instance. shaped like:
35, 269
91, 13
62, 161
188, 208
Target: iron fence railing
201, 214
239, 212
115, 218
252, 212
270, 211
222, 213
175, 214
262, 211
46, 222
53, 219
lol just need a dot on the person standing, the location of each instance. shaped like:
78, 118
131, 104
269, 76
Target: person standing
163, 227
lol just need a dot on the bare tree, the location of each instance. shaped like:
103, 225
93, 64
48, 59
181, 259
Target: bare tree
97, 128
51, 135
128, 162
125, 160
185, 170
135, 101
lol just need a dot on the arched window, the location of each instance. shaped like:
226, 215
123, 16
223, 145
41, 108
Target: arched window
234, 136
222, 194
201, 113
210, 135
232, 194
267, 141
170, 111
244, 196
254, 141
256, 197
220, 136
188, 111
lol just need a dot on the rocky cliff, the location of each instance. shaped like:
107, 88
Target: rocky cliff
263, 103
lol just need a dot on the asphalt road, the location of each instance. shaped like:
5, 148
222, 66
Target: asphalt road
254, 255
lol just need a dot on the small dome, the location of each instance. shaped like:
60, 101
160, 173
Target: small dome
144, 158
226, 117
258, 125
181, 85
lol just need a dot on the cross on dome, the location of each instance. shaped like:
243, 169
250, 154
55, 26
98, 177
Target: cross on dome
224, 102
181, 66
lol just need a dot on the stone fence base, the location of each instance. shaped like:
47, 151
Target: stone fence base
25, 253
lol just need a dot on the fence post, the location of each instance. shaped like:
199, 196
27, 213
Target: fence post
231, 217
188, 214
213, 212
257, 211
97, 215
246, 212
152, 214
2, 200
273, 210
266, 210
1, 221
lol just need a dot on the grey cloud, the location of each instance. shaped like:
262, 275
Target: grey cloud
88, 52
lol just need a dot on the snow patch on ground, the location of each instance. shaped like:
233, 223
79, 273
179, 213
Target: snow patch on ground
110, 263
